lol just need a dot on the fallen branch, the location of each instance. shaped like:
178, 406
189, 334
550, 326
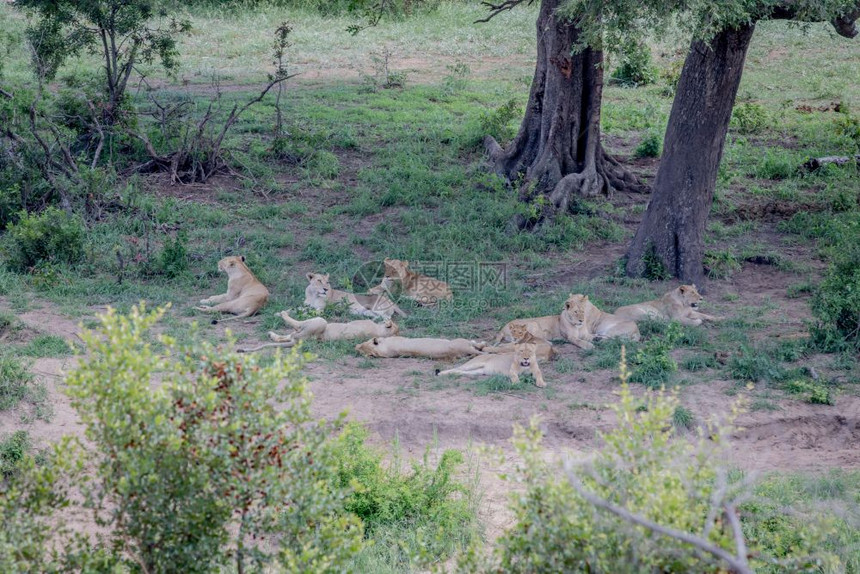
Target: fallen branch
819, 162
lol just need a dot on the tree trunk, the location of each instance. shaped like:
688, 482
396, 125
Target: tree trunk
557, 152
673, 228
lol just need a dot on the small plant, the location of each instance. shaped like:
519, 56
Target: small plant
383, 75
655, 269
812, 391
671, 75
173, 258
750, 118
699, 362
776, 164
848, 125
51, 236
15, 382
650, 146
635, 68
457, 77
721, 264
683, 418
652, 363
836, 303
497, 123
13, 448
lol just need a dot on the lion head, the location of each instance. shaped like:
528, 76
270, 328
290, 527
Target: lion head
316, 293
521, 334
233, 266
369, 348
575, 310
525, 354
391, 328
688, 296
395, 269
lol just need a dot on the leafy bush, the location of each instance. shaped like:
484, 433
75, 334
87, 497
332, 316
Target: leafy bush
750, 118
423, 511
652, 363
13, 448
836, 303
671, 75
198, 466
650, 146
683, 418
812, 391
10, 201
776, 164
497, 123
753, 365
635, 68
173, 258
721, 264
51, 236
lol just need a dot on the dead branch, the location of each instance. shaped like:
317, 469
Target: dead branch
496, 9
819, 162
6, 94
738, 563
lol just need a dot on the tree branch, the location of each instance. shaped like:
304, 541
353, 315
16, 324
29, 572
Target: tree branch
738, 564
6, 94
845, 25
496, 9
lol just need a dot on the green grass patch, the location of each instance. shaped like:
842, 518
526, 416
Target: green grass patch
46, 346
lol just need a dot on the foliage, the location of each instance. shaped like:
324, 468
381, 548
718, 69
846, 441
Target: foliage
641, 468
13, 449
15, 382
497, 123
721, 264
749, 118
383, 75
836, 303
173, 259
635, 67
652, 363
51, 236
427, 504
683, 418
198, 466
650, 146
813, 391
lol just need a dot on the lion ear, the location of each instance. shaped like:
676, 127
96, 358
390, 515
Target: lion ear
585, 298
310, 276
326, 276
693, 285
242, 258
683, 288
375, 340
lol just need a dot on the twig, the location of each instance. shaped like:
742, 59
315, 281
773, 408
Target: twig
496, 9
738, 564
4, 93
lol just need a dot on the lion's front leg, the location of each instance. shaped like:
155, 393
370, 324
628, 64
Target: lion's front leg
216, 299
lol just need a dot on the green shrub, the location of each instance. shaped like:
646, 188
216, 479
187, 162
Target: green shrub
750, 118
47, 346
13, 448
683, 418
721, 264
173, 258
425, 510
498, 123
635, 67
753, 365
10, 201
653, 366
836, 302
221, 452
812, 391
51, 236
650, 146
776, 164
324, 165
671, 75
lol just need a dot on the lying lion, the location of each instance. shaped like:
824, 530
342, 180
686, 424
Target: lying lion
245, 294
679, 304
422, 289
319, 328
390, 347
546, 328
319, 293
511, 364
520, 334
581, 322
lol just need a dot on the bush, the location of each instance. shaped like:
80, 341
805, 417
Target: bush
52, 236
750, 118
498, 122
836, 303
423, 512
13, 449
721, 264
223, 451
635, 68
650, 146
173, 259
653, 366
15, 382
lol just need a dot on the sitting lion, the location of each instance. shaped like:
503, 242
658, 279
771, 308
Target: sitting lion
319, 293
319, 328
520, 334
422, 289
390, 347
521, 358
245, 294
581, 322
677, 305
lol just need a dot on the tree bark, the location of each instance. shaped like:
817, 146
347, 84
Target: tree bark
557, 152
673, 228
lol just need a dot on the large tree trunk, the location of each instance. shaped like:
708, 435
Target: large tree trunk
673, 228
557, 152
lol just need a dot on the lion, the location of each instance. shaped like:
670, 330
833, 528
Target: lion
521, 358
422, 289
390, 347
245, 294
319, 328
679, 304
581, 322
520, 334
319, 293
546, 328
